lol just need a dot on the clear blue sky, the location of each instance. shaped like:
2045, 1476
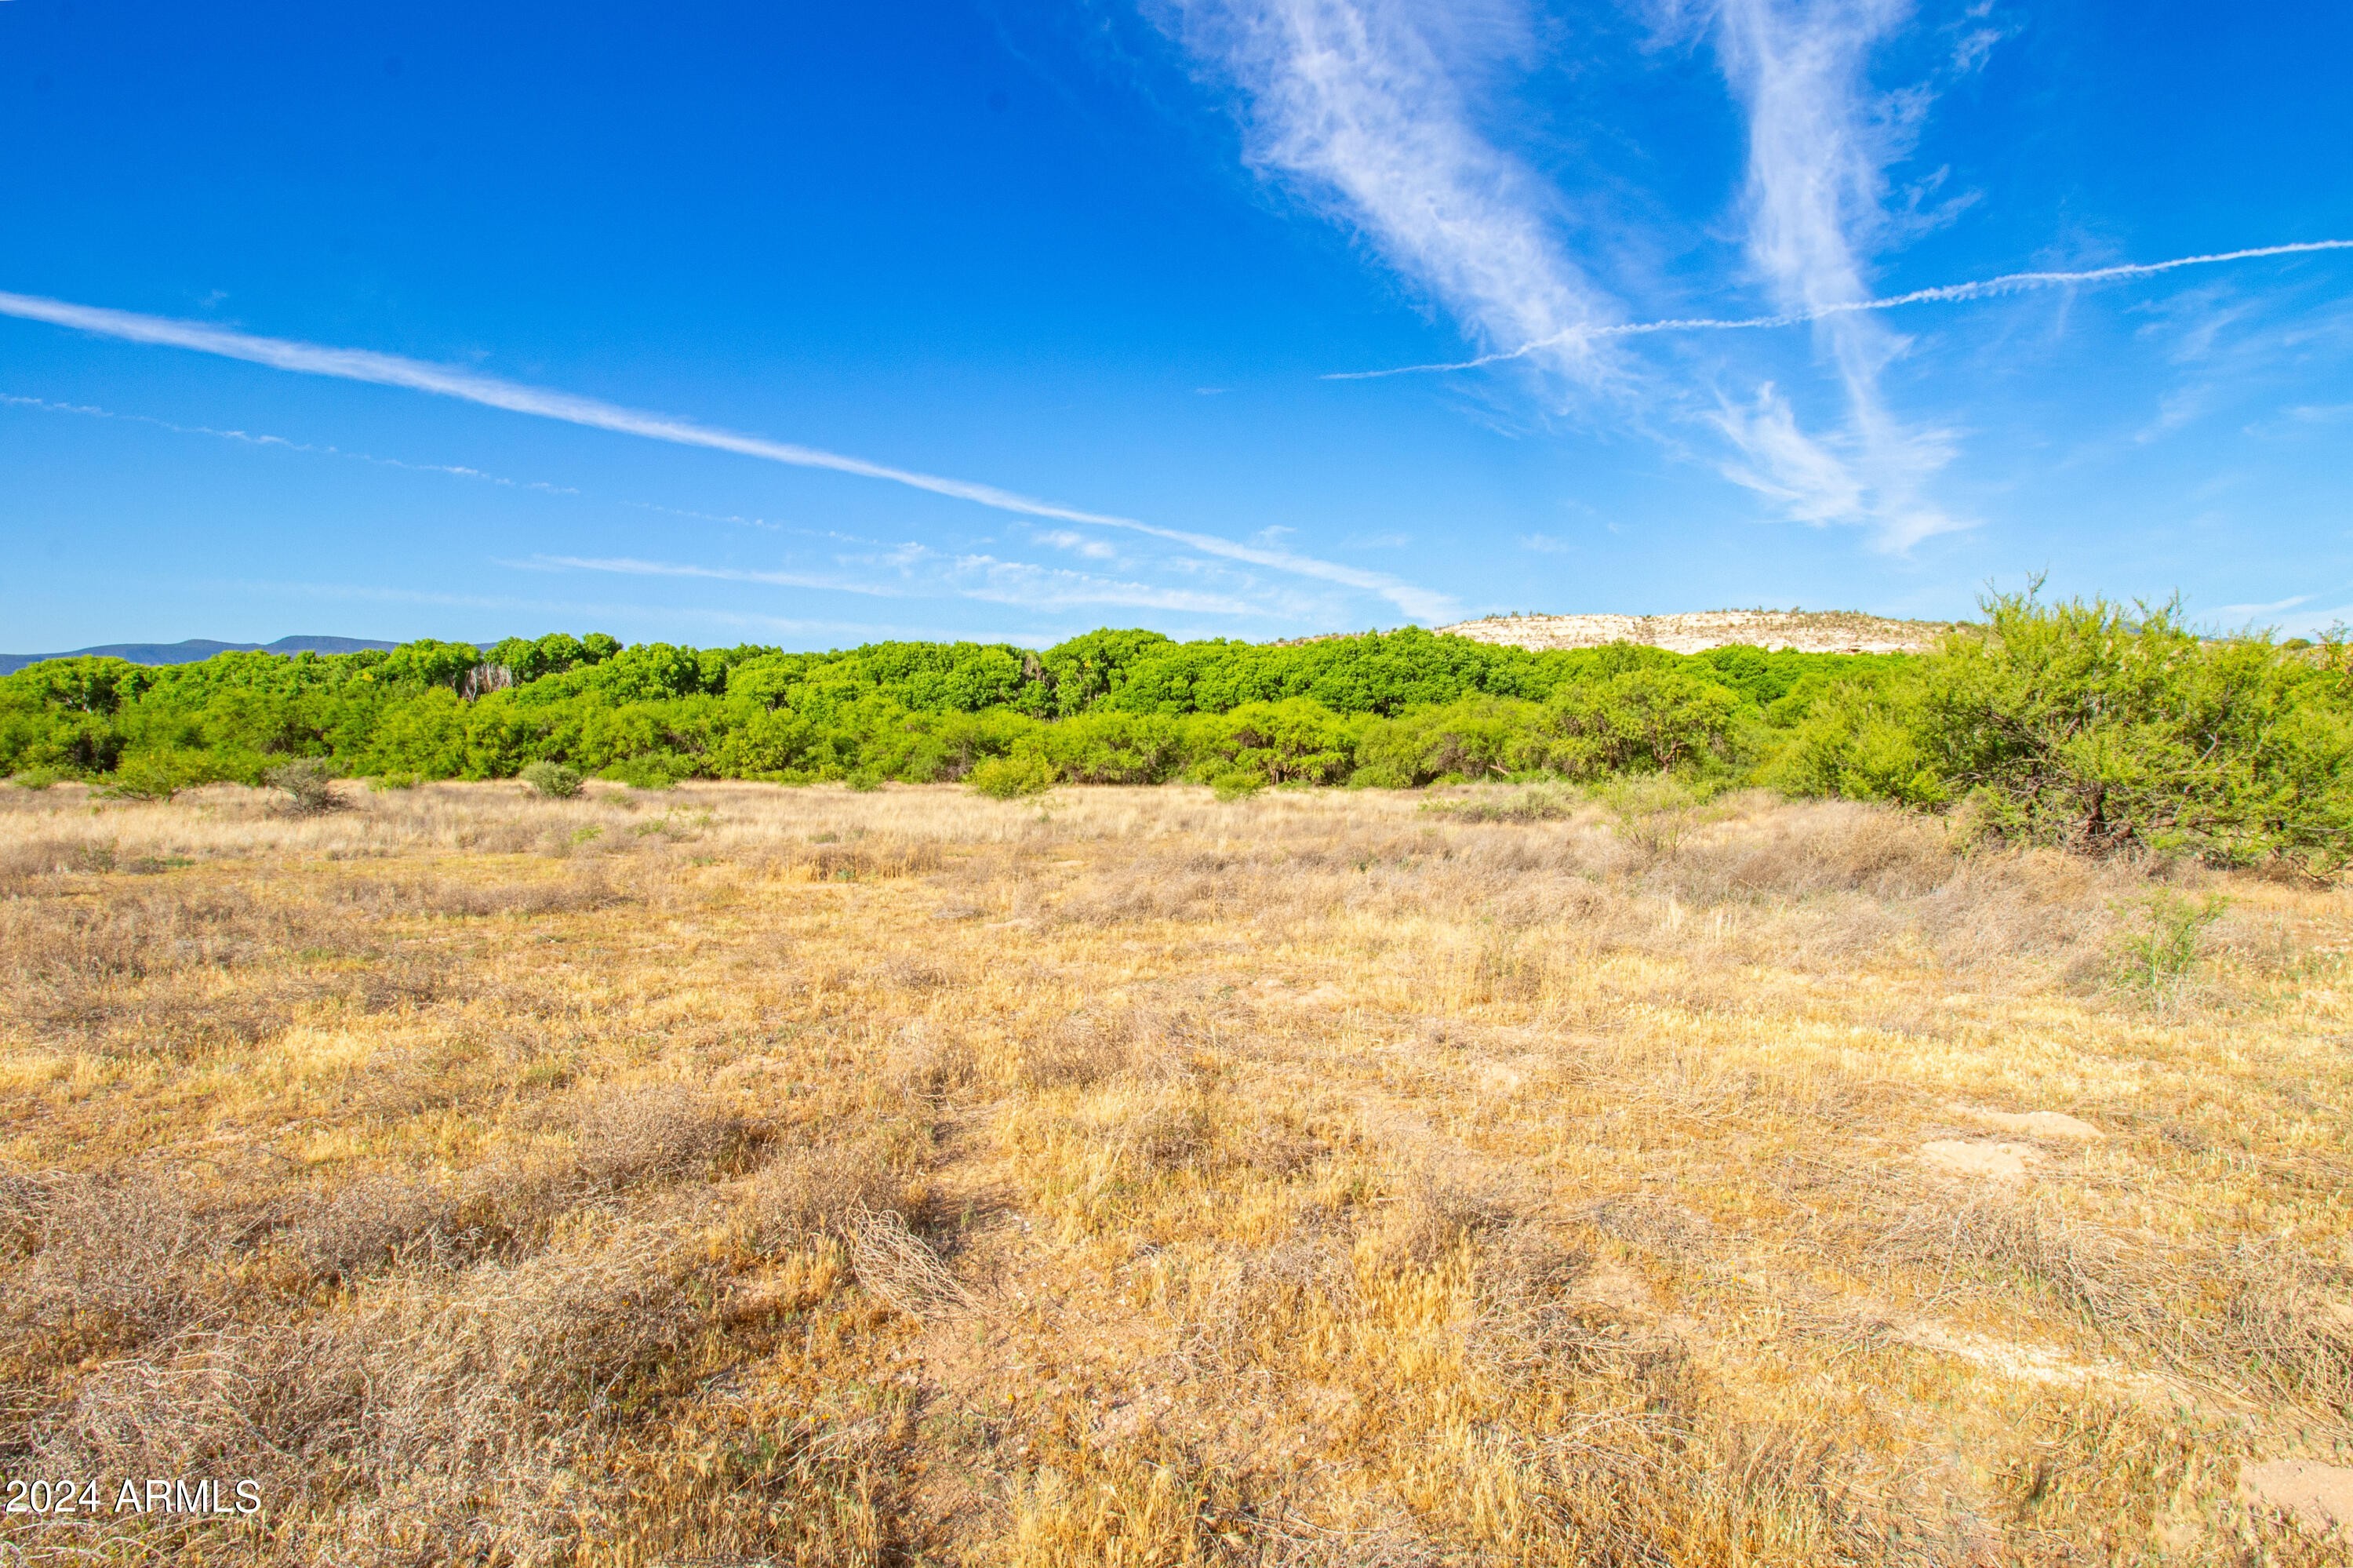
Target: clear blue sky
1093, 267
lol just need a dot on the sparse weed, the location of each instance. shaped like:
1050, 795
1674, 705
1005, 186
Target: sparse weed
308, 784
2159, 951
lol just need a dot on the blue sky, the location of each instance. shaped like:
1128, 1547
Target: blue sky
814, 324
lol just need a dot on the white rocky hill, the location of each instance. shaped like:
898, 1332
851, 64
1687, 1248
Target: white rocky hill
1807, 631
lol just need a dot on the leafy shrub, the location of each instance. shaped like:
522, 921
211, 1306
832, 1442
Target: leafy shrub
1642, 721
554, 781
2087, 725
2073, 724
309, 785
2164, 947
1011, 777
655, 772
160, 775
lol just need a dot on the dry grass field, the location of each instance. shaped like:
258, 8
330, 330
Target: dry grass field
741, 1175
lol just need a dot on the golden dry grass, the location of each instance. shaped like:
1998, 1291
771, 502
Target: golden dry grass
746, 1175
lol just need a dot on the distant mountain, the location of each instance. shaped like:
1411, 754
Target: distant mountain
195, 650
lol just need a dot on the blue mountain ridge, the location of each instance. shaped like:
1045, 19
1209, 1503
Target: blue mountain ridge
195, 650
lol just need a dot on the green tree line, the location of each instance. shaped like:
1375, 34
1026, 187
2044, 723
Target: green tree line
2072, 723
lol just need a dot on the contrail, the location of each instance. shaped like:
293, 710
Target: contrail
2009, 282
449, 381
251, 439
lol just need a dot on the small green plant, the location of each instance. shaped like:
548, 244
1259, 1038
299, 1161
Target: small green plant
160, 775
1011, 777
2159, 955
865, 781
1236, 786
383, 781
647, 772
553, 780
588, 835
37, 778
308, 784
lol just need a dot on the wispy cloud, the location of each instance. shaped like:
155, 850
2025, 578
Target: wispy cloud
1363, 100
2273, 608
1368, 101
924, 572
468, 386
573, 609
1820, 144
252, 438
1982, 289
1076, 543
627, 566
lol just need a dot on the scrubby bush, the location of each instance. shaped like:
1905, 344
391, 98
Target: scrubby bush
553, 780
1011, 777
308, 783
2086, 725
2103, 728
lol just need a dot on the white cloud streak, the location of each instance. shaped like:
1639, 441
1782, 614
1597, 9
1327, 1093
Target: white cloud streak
1820, 144
1361, 99
1984, 287
451, 381
976, 576
248, 438
1366, 99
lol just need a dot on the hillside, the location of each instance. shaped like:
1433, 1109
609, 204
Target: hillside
1801, 631
193, 650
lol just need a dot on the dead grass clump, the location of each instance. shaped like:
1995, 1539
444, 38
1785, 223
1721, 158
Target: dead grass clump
914, 972
864, 860
2286, 1325
2096, 1469
24, 860
1819, 847
1279, 1148
1268, 1297
1078, 1052
661, 1132
1657, 1224
358, 1226
1535, 803
1168, 1129
126, 935
925, 1066
1530, 1329
1166, 1506
1428, 1222
895, 1264
262, 1404
583, 887
114, 1260
2081, 1268
808, 1195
